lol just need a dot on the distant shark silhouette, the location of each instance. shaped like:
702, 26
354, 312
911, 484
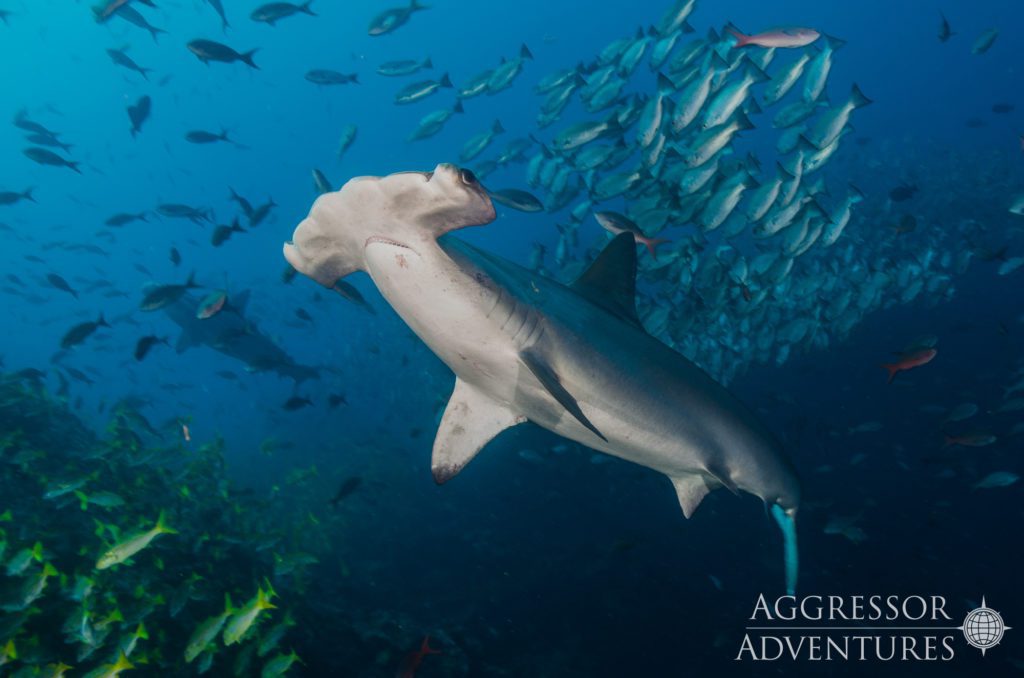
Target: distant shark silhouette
573, 359
231, 334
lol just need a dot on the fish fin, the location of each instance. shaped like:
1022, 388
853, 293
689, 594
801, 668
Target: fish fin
691, 489
721, 478
742, 121
857, 97
161, 525
833, 42
246, 58
610, 281
550, 381
470, 421
741, 38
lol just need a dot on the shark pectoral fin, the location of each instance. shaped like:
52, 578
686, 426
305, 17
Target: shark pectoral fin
470, 421
691, 490
549, 380
610, 281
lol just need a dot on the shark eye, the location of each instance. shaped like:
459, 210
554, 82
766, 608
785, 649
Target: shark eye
467, 177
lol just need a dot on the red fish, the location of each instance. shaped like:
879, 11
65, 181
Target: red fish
616, 223
778, 37
909, 361
212, 304
413, 659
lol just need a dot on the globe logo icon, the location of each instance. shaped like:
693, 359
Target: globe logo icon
983, 627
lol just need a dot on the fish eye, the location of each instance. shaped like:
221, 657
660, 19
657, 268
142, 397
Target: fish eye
467, 176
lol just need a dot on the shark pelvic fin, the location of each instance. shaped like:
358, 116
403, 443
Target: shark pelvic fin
691, 490
610, 281
721, 478
549, 380
470, 421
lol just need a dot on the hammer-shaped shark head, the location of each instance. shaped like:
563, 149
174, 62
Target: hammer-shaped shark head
405, 209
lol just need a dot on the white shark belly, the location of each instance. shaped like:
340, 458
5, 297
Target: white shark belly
479, 328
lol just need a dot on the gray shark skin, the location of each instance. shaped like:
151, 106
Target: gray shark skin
231, 334
572, 359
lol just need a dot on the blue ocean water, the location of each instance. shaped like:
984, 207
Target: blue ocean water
542, 558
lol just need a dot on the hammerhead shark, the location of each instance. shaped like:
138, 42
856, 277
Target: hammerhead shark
230, 333
572, 359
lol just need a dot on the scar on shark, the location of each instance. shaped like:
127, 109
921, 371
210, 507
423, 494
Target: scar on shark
572, 359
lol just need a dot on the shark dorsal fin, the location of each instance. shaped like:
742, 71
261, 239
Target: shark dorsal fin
470, 421
610, 281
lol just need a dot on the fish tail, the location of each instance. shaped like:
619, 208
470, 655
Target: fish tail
305, 7
741, 38
833, 42
74, 165
652, 244
27, 194
857, 97
161, 525
893, 369
415, 5
263, 599
247, 58
122, 664
425, 646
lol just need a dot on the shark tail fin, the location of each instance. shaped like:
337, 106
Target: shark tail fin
786, 520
